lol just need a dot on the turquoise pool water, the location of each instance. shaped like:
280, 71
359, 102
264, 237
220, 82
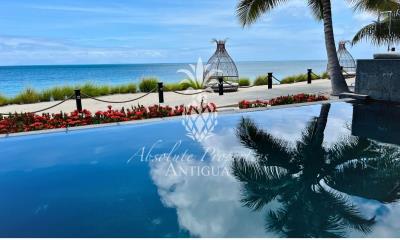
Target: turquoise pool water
316, 171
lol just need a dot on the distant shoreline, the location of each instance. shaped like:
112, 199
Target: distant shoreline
14, 79
161, 63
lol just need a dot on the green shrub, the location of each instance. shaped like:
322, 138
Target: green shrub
124, 88
94, 90
129, 88
104, 90
56, 93
261, 80
303, 78
46, 95
190, 83
148, 84
89, 89
325, 75
244, 82
29, 95
3, 100
174, 87
294, 78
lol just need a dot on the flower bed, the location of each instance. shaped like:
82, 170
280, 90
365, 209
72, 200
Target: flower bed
24, 122
299, 98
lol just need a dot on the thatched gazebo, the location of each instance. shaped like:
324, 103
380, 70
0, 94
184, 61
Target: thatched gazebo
346, 61
221, 66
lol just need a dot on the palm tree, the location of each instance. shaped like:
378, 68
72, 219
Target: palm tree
375, 5
249, 11
378, 32
310, 181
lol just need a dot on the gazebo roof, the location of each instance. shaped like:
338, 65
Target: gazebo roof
221, 64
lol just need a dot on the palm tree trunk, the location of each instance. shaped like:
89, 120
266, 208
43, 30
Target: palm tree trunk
338, 82
321, 122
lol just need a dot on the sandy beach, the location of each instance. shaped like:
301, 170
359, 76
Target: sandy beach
173, 99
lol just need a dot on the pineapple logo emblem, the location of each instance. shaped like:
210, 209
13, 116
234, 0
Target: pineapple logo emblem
201, 118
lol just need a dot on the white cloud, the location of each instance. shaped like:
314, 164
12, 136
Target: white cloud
365, 17
25, 50
208, 206
78, 9
136, 29
7, 42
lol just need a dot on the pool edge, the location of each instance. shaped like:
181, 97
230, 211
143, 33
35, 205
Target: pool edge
158, 120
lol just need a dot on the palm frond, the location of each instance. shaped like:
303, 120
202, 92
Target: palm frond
309, 149
378, 33
276, 220
380, 176
270, 150
347, 212
374, 5
247, 171
316, 9
261, 184
248, 11
351, 149
305, 215
256, 197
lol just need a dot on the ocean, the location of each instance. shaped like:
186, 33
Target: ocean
14, 79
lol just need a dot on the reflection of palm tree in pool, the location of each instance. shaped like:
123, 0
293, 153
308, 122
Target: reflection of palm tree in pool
305, 180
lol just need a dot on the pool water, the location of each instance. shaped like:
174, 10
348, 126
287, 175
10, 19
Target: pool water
313, 171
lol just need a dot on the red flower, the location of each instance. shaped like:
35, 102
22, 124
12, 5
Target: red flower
299, 98
29, 122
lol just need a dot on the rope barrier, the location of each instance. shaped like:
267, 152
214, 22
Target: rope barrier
316, 75
181, 93
276, 79
116, 102
44, 109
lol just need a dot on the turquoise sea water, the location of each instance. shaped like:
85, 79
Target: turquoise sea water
13, 79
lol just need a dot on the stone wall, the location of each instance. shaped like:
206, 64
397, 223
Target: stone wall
379, 79
378, 121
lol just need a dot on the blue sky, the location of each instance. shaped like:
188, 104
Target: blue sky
153, 31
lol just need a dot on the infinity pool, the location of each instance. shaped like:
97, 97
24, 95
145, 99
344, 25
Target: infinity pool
313, 171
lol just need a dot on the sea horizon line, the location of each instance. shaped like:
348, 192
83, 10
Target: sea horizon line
160, 63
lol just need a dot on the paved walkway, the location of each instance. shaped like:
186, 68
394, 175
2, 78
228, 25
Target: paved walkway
173, 99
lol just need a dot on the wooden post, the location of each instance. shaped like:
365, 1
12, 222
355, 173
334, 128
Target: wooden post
78, 99
269, 80
309, 77
221, 86
160, 92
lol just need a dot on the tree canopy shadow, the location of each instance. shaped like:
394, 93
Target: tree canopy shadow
308, 186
